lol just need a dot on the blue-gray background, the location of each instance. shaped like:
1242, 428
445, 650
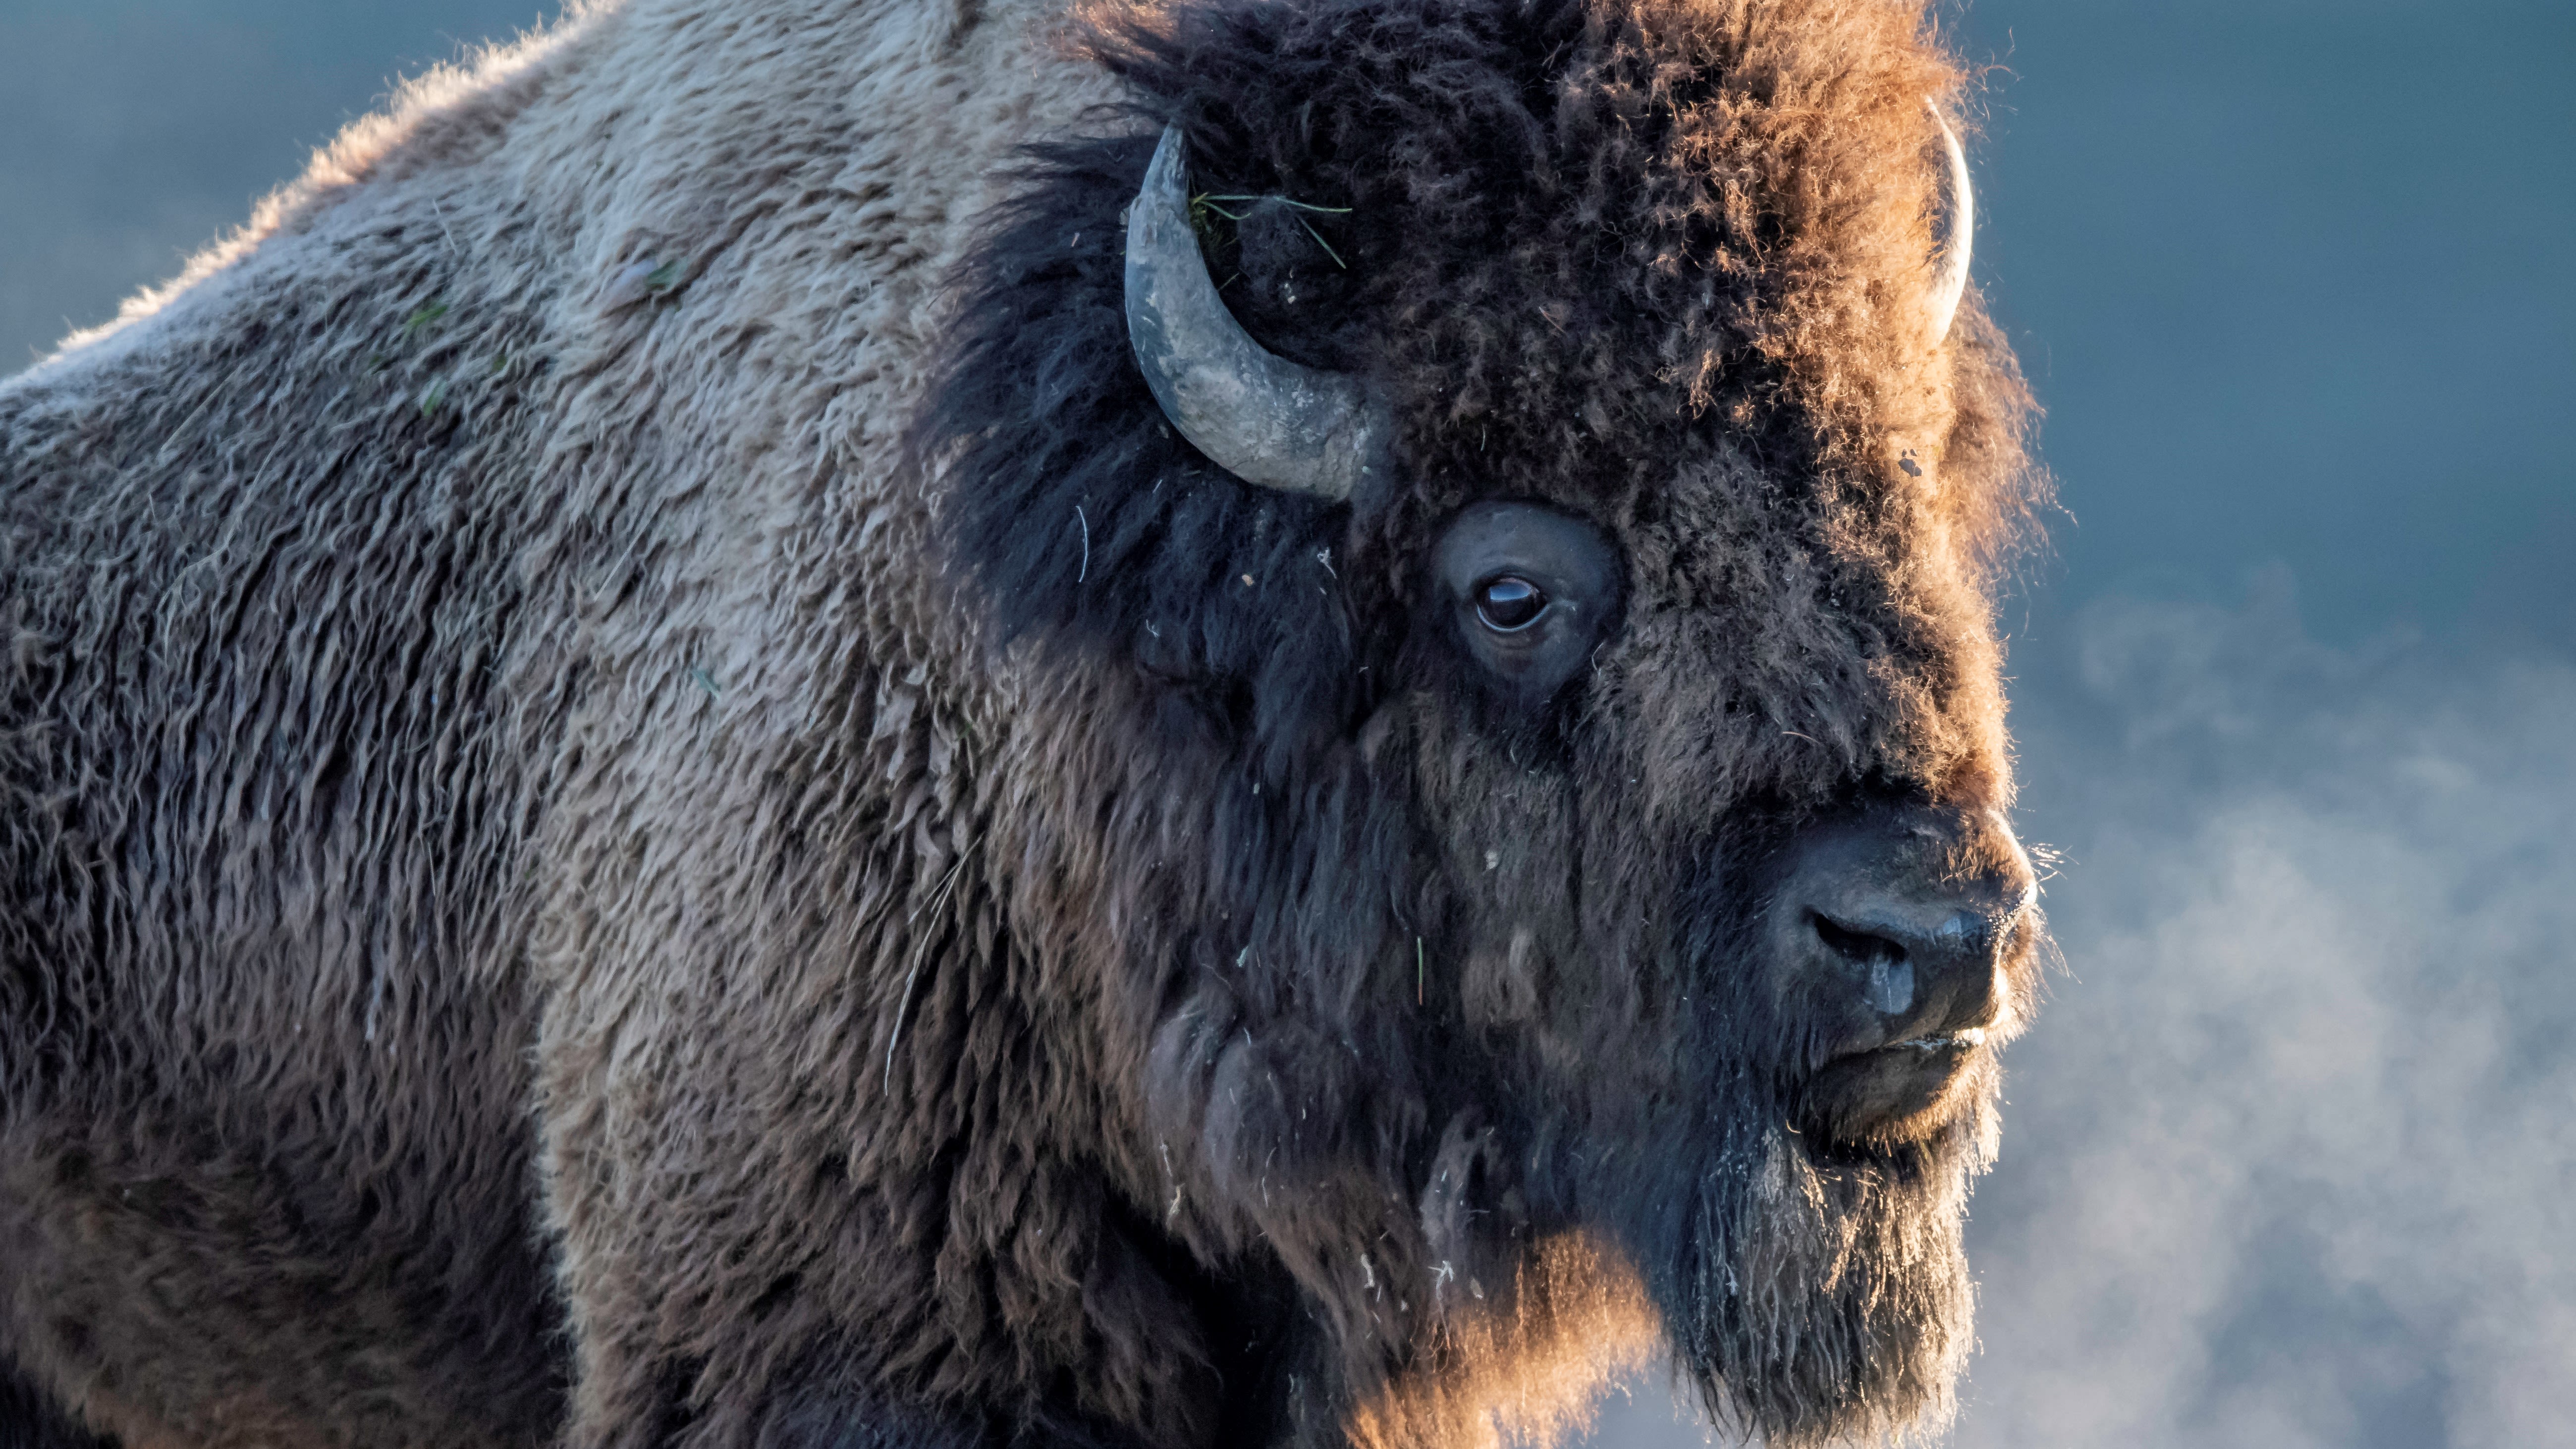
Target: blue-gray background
2291, 1159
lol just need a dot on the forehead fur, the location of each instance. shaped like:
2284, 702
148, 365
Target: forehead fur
1575, 240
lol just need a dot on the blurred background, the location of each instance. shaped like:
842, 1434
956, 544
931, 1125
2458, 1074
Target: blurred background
2291, 1158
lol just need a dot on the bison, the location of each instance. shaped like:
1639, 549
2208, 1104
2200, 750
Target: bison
948, 723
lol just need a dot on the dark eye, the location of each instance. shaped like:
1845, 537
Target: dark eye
1509, 604
1526, 592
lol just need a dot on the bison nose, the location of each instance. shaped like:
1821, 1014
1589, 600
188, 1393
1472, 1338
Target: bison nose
1902, 924
1900, 965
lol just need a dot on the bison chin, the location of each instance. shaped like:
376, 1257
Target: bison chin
1821, 1292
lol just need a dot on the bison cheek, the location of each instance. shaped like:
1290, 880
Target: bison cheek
1271, 1112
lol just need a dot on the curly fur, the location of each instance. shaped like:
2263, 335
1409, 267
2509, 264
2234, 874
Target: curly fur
643, 801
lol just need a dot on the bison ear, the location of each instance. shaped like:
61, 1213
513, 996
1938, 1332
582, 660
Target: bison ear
1258, 416
1959, 236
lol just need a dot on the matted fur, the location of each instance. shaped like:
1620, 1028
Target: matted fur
642, 800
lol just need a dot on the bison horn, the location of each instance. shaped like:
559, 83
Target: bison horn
1260, 417
1959, 240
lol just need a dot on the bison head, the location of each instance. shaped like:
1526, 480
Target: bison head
1490, 518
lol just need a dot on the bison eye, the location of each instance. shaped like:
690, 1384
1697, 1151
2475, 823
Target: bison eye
1510, 604
1528, 592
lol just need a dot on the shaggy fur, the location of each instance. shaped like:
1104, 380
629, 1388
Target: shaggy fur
643, 801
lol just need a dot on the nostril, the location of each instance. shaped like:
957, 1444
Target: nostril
1861, 948
1887, 973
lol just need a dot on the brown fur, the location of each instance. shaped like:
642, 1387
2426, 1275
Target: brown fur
582, 859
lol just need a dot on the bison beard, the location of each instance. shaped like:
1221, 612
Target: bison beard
1827, 1298
652, 802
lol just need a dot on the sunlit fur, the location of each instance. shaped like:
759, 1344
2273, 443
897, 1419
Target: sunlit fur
1523, 1364
643, 800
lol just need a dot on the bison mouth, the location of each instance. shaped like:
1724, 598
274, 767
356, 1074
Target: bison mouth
1901, 1092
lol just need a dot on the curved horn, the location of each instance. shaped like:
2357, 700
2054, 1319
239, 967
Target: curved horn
1260, 417
1960, 238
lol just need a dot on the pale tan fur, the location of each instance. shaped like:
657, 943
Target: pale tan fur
650, 290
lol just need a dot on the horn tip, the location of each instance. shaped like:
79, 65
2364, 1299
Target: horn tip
1950, 286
